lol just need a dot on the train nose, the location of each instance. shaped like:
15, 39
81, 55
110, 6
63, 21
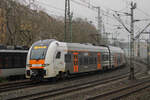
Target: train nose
38, 74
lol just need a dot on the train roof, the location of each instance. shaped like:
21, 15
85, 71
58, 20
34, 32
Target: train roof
13, 47
43, 42
13, 51
84, 47
115, 49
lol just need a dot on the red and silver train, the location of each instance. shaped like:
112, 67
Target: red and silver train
51, 58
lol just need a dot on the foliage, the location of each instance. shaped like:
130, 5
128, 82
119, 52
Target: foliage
20, 25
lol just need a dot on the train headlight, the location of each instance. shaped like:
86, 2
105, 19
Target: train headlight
28, 72
45, 65
29, 65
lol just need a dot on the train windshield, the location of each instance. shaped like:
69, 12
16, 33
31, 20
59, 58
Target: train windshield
38, 52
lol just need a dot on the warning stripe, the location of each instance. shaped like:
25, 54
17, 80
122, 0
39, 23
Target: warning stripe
36, 67
37, 61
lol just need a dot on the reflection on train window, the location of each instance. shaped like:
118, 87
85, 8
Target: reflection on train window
91, 60
58, 55
81, 61
1, 62
23, 60
17, 61
105, 57
68, 58
95, 60
12, 60
85, 60
8, 61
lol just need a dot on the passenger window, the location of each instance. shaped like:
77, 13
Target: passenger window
95, 60
67, 58
17, 61
81, 61
1, 64
58, 55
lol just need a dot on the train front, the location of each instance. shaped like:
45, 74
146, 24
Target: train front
37, 60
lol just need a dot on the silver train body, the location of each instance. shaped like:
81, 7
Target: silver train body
12, 63
50, 58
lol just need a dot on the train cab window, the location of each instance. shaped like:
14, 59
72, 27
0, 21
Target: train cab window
58, 55
68, 58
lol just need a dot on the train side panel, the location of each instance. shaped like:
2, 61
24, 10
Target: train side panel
11, 72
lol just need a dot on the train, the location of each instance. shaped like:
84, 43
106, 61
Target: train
12, 62
51, 58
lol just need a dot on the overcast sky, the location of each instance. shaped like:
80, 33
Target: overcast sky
56, 8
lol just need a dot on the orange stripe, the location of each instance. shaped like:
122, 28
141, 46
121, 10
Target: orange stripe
36, 67
98, 61
75, 62
75, 53
36, 61
74, 68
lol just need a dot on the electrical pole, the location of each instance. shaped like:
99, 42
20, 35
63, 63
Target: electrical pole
139, 47
65, 31
148, 50
148, 58
128, 45
70, 22
132, 77
68, 16
132, 39
99, 35
99, 25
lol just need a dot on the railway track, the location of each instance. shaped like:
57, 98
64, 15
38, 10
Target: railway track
10, 86
13, 82
63, 90
122, 92
73, 88
15, 85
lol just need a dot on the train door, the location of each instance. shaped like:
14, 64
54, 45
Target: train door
98, 61
116, 60
59, 62
75, 62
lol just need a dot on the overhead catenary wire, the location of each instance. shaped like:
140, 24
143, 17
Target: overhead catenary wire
51, 12
51, 6
148, 15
